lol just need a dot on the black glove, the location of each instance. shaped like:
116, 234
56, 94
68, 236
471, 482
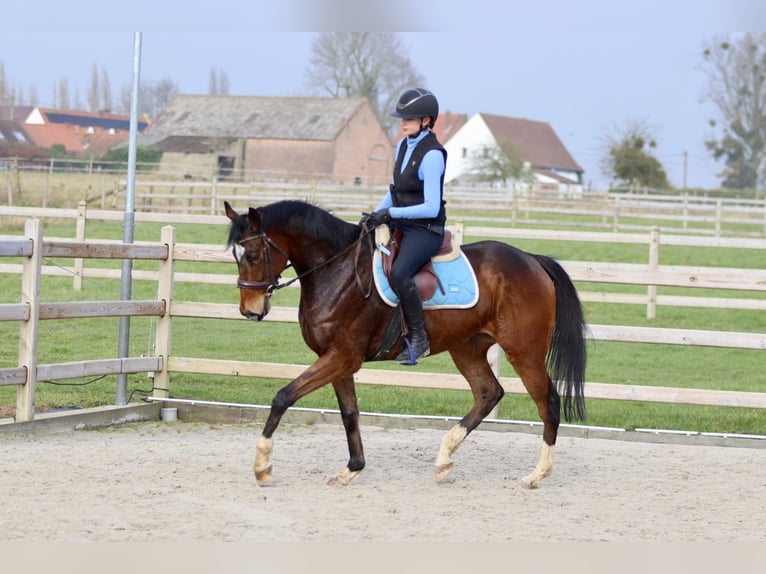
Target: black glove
379, 217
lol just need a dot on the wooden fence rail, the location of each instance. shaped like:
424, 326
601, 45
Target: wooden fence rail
650, 275
31, 310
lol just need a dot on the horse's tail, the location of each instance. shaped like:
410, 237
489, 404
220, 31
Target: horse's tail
567, 355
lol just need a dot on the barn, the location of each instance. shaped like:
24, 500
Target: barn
328, 140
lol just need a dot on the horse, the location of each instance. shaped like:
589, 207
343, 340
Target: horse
527, 304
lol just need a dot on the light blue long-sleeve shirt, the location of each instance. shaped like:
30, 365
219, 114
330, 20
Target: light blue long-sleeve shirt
430, 172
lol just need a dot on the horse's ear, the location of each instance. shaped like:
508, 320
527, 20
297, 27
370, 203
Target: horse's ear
230, 213
254, 218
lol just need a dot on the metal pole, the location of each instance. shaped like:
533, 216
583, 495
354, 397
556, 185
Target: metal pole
129, 221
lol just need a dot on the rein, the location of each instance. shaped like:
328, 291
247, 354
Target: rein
273, 283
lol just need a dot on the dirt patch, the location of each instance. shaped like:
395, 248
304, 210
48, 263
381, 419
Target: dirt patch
193, 481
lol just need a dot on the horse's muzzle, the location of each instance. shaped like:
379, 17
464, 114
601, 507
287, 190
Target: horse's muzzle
253, 316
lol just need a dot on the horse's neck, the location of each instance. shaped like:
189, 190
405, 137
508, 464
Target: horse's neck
320, 265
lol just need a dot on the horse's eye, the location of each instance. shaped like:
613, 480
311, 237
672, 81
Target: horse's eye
254, 256
239, 252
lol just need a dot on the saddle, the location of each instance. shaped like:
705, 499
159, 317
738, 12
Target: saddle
426, 279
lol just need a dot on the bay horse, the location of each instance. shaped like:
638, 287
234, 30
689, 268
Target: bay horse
527, 304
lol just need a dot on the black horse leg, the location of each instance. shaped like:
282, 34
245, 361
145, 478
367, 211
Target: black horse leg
471, 360
324, 370
345, 392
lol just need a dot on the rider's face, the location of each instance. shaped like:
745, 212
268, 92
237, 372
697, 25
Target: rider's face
411, 126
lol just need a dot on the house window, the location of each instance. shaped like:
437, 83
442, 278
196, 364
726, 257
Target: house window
18, 135
225, 166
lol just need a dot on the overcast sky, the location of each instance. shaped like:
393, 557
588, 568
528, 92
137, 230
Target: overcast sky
583, 66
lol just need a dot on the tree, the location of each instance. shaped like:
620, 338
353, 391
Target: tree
93, 92
106, 91
371, 65
629, 157
737, 88
218, 82
153, 96
4, 96
64, 103
500, 164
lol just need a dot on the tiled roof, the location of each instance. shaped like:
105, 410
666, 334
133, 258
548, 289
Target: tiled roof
252, 117
536, 141
447, 124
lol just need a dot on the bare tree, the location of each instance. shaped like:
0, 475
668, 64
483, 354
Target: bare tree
371, 65
64, 102
223, 83
106, 91
93, 92
154, 96
218, 82
3, 85
737, 87
212, 82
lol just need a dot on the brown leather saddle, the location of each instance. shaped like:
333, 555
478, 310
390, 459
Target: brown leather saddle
426, 279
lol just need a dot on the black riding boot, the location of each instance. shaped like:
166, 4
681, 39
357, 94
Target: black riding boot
412, 307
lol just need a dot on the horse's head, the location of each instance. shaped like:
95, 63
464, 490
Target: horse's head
259, 259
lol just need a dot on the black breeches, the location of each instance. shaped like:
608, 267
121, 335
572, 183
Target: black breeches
416, 248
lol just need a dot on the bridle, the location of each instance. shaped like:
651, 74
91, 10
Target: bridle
272, 283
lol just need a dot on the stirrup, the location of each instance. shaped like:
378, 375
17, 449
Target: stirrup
411, 359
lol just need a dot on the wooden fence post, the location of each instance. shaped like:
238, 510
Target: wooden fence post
30, 296
163, 334
654, 262
214, 196
718, 217
79, 263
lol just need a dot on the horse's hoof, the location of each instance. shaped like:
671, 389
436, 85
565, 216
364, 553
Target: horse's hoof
443, 470
263, 475
343, 478
527, 484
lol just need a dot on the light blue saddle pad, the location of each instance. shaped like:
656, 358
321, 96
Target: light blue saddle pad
461, 290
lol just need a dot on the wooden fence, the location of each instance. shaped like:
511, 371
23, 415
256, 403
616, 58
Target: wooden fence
30, 311
652, 274
618, 212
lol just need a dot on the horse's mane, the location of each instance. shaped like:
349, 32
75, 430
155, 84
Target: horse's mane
292, 217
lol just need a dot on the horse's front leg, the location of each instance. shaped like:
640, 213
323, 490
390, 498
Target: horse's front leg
325, 369
349, 413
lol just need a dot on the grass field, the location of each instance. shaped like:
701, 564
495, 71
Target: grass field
639, 364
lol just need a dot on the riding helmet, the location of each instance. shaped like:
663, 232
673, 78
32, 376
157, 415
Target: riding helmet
417, 103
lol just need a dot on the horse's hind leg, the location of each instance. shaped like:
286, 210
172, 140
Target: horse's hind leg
349, 413
534, 376
471, 360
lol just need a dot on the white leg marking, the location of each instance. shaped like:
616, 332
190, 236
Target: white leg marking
451, 441
344, 477
262, 465
543, 468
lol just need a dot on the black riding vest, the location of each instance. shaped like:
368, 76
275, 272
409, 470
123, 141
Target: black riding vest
407, 188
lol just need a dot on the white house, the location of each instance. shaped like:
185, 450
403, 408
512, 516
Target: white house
550, 163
